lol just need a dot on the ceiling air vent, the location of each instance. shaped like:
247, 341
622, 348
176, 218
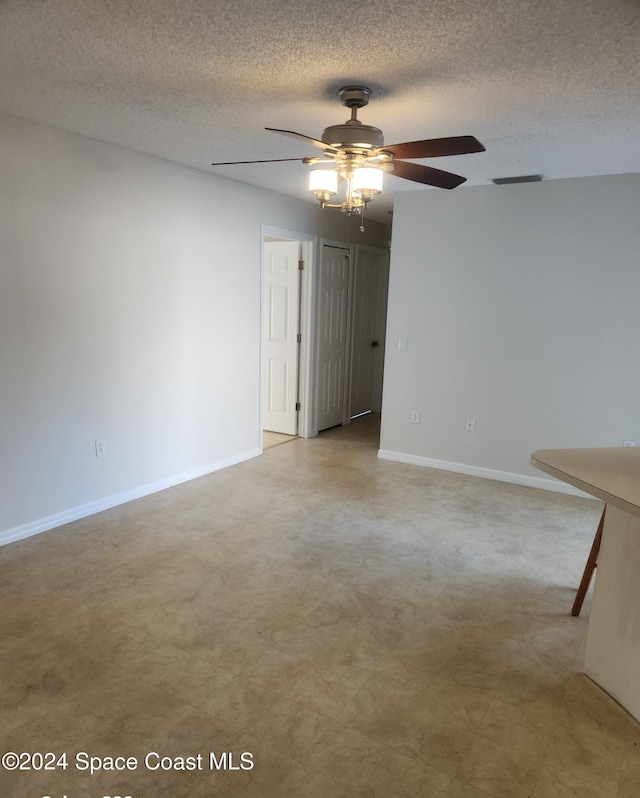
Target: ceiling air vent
503, 181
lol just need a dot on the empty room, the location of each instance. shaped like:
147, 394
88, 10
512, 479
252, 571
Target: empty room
319, 399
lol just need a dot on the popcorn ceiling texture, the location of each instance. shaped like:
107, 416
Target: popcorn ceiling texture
550, 87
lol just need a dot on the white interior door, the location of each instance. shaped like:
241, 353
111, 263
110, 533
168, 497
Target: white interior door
280, 319
333, 290
370, 287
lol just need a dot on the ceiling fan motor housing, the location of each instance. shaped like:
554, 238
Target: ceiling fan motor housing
353, 134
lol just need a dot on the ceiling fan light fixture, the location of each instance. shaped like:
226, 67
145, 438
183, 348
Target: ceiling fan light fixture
323, 183
367, 182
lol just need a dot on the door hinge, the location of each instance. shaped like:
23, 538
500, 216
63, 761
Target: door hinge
299, 338
298, 406
301, 265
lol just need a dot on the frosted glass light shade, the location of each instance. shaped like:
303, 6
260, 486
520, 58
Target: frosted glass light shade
324, 181
367, 180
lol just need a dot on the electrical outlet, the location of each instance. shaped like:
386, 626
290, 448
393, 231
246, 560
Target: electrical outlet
470, 425
629, 443
415, 416
100, 449
402, 344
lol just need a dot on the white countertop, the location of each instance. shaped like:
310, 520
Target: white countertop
610, 474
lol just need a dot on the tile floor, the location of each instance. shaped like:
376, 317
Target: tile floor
271, 439
360, 627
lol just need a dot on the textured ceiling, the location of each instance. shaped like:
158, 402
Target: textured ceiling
549, 86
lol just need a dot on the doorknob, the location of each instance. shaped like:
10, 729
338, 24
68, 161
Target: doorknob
375, 343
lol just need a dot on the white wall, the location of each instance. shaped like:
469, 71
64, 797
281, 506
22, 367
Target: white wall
521, 308
129, 312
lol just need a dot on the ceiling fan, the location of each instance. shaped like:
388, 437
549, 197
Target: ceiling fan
356, 153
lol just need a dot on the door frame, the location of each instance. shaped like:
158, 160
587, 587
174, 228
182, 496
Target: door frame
309, 248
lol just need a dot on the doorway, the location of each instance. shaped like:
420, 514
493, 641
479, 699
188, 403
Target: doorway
323, 333
285, 286
280, 335
368, 330
351, 327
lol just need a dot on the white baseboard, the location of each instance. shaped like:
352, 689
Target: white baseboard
84, 510
484, 473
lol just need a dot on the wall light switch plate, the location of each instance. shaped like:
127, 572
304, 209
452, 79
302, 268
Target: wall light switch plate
470, 425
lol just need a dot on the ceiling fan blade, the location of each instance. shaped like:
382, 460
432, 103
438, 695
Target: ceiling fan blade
426, 174
435, 148
308, 139
268, 160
